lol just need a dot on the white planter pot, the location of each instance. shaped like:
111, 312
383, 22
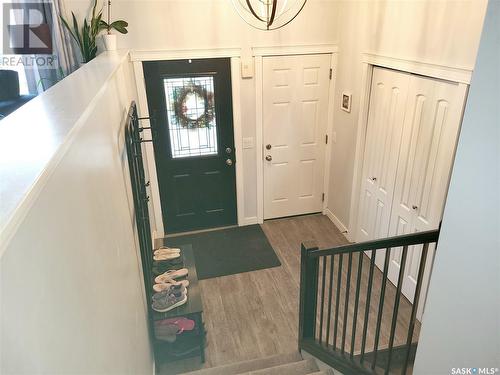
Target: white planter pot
109, 42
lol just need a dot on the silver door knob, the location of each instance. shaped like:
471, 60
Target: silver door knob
229, 162
268, 147
269, 158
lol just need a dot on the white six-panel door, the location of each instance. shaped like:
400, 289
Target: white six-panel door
412, 130
295, 114
383, 140
430, 134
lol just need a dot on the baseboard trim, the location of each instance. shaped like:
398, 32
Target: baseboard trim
249, 221
335, 220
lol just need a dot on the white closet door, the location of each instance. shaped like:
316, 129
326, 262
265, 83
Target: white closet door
295, 109
429, 139
383, 139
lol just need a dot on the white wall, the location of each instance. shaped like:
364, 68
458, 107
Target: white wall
71, 290
438, 32
461, 326
190, 24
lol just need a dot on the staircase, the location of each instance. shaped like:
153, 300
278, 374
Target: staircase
281, 364
359, 322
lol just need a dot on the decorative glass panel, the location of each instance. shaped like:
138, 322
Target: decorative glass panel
191, 116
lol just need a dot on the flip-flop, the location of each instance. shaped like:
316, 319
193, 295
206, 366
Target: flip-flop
166, 256
182, 323
172, 274
167, 251
162, 286
167, 248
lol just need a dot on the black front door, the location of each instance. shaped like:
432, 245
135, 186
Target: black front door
190, 103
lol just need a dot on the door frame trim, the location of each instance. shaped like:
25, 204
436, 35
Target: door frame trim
259, 53
234, 54
369, 61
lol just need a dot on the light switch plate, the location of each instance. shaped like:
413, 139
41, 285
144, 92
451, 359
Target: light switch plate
247, 68
248, 142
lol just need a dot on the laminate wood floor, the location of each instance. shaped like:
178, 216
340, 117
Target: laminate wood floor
255, 314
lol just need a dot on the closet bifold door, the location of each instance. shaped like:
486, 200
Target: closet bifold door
388, 97
430, 132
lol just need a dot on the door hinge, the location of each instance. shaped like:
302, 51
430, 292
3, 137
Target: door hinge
326, 138
331, 73
323, 197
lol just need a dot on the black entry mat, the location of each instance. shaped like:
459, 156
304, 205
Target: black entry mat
228, 251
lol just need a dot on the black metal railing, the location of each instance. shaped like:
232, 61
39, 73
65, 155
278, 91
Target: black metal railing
352, 316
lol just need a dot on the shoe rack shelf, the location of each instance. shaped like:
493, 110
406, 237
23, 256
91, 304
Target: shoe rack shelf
188, 343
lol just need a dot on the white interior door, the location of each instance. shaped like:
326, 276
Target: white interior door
383, 140
428, 146
295, 114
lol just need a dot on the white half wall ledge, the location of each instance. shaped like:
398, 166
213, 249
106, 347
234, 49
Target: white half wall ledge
446, 72
192, 53
34, 138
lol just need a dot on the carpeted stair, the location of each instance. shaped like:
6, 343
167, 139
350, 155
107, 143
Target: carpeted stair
281, 364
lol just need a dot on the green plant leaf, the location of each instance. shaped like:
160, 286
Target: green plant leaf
76, 30
120, 26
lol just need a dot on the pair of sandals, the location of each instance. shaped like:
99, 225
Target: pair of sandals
166, 253
168, 279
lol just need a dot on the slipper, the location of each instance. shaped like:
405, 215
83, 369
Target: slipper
172, 274
182, 324
166, 248
166, 256
167, 251
162, 286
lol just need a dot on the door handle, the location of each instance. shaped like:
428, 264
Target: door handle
269, 158
229, 162
414, 207
373, 178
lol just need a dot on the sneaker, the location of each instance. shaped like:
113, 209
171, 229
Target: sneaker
162, 286
172, 289
169, 302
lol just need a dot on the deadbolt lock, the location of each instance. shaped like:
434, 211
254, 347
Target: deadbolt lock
268, 146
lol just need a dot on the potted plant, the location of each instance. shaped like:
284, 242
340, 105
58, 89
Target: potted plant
85, 37
120, 26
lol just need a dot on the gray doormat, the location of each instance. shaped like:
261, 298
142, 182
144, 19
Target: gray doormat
228, 251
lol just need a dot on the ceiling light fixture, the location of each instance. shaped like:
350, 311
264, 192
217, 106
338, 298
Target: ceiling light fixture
268, 14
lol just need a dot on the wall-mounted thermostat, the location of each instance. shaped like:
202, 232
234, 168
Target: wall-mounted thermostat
346, 102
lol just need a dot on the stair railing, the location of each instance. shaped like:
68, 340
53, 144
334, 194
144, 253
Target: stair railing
342, 309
